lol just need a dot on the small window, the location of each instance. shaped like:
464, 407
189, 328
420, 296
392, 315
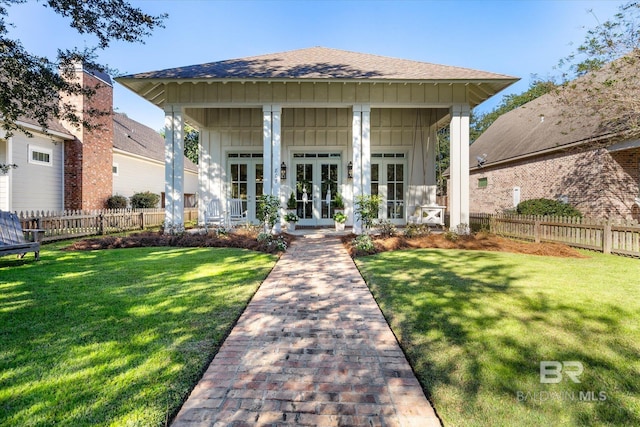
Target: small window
114, 169
40, 156
483, 182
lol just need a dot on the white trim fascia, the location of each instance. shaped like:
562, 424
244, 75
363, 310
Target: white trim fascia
46, 132
226, 80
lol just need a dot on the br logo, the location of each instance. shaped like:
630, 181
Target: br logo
551, 371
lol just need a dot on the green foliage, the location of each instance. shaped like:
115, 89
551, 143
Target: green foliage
26, 79
366, 209
338, 202
268, 207
481, 122
145, 199
292, 203
416, 230
191, 142
387, 228
277, 242
546, 207
363, 244
340, 217
291, 217
451, 236
116, 202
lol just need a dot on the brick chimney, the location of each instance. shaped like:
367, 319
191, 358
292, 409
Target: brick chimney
88, 160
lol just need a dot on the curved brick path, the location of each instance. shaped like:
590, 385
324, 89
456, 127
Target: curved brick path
312, 348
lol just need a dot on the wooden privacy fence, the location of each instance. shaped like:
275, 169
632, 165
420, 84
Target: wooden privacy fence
619, 237
75, 223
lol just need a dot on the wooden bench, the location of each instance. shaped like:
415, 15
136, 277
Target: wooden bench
12, 237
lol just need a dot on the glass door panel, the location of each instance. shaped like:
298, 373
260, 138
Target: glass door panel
328, 189
388, 182
304, 191
246, 183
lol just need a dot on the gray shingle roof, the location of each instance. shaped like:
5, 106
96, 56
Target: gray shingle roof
136, 138
568, 117
320, 63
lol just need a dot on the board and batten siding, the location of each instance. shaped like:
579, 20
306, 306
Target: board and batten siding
258, 93
136, 175
36, 186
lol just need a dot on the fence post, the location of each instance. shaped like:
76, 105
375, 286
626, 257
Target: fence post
142, 220
607, 238
101, 223
536, 231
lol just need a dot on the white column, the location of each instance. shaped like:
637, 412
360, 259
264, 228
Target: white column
174, 169
459, 167
266, 147
366, 149
276, 112
357, 162
204, 183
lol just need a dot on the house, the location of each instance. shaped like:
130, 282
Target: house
317, 122
559, 146
64, 167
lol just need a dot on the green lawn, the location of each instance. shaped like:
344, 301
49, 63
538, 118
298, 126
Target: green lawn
115, 337
476, 325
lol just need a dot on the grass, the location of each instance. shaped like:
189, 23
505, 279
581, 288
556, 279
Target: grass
476, 325
115, 337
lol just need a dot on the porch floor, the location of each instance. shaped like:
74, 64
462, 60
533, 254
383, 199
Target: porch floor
311, 348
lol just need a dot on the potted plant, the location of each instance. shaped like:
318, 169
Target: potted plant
292, 203
338, 203
339, 219
291, 219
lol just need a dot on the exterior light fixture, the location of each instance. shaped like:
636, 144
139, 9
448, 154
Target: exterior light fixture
350, 170
283, 171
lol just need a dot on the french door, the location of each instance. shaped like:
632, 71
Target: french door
317, 177
388, 178
246, 174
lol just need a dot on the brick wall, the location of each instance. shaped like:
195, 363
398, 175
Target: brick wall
89, 159
599, 183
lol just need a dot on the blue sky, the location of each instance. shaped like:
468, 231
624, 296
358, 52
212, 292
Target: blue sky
518, 38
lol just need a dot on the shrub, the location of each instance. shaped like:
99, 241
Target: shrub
292, 203
338, 203
416, 230
268, 207
116, 202
145, 199
386, 228
547, 207
367, 209
364, 244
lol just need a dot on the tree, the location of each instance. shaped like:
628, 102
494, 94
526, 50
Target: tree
480, 122
607, 66
27, 79
191, 141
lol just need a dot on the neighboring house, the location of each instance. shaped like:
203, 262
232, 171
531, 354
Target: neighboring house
38, 181
316, 122
64, 167
554, 147
138, 161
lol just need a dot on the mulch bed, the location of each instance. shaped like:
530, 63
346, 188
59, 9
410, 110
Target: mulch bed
479, 241
237, 239
247, 239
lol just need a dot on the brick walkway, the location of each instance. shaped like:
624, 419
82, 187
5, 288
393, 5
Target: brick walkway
312, 348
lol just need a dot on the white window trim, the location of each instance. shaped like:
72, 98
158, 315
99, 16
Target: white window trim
37, 149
